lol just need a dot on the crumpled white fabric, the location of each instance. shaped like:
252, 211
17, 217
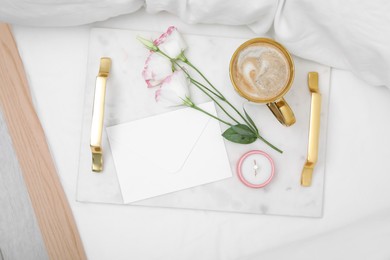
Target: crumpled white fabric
351, 35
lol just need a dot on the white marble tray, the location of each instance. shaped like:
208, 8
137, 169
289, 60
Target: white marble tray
128, 99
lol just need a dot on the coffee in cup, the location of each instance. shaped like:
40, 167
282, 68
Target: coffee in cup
262, 71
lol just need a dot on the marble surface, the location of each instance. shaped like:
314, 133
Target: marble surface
128, 99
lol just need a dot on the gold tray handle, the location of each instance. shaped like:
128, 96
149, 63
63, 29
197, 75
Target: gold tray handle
98, 114
314, 131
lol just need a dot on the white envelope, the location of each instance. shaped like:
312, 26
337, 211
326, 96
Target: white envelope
168, 152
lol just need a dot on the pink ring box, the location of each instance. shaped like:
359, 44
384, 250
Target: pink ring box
241, 177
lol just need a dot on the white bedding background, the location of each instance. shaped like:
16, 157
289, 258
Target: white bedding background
352, 35
349, 34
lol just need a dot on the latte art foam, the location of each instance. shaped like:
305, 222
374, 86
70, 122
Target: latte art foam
261, 71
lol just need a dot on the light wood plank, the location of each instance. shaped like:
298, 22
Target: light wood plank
51, 208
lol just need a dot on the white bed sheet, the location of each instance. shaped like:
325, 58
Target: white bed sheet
356, 222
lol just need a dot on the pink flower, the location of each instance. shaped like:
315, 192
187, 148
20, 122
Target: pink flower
174, 90
171, 42
156, 69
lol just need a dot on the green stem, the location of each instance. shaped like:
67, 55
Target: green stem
253, 127
188, 75
269, 144
211, 115
198, 85
216, 102
186, 61
220, 95
257, 134
166, 56
215, 94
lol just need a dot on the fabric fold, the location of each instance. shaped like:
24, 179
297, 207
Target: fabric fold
351, 35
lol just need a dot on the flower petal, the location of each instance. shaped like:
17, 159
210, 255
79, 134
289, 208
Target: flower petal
171, 42
174, 90
156, 69
164, 36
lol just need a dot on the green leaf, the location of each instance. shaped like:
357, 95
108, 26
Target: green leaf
250, 120
242, 130
241, 134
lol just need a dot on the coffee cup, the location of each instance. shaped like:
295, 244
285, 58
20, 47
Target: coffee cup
262, 71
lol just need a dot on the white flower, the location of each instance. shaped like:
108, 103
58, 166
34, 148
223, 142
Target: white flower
156, 69
171, 42
174, 90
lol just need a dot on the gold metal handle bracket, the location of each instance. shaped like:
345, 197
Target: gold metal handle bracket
98, 115
314, 130
282, 112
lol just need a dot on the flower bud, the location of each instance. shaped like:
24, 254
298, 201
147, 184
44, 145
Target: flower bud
171, 43
148, 44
